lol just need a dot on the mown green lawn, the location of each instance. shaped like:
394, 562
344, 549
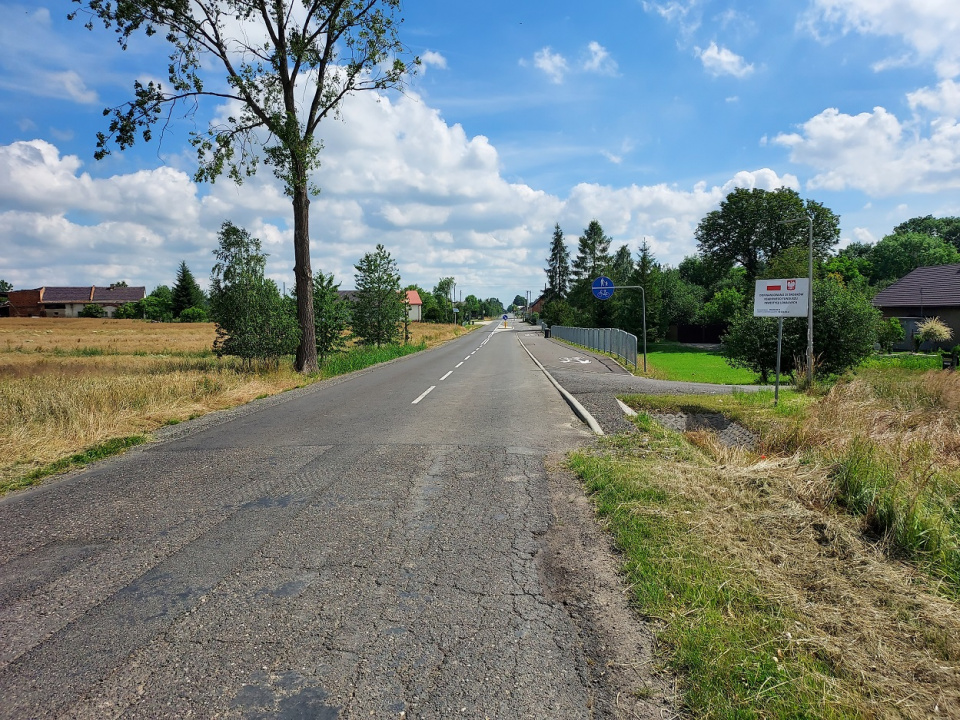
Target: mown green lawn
673, 361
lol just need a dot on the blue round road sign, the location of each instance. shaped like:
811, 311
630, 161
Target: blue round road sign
602, 288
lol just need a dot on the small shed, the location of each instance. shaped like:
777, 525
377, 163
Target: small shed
924, 293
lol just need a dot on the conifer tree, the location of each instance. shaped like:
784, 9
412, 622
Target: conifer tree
558, 267
186, 292
380, 306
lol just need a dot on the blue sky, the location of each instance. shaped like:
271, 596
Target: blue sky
641, 114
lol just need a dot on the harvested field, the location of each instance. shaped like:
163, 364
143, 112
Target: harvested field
70, 384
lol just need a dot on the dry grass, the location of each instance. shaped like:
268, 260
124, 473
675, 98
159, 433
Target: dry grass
873, 619
69, 384
847, 519
110, 336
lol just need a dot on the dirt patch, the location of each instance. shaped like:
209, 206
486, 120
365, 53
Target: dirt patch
580, 571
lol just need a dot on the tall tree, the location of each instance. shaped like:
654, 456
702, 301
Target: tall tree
253, 321
331, 315
945, 228
593, 253
186, 292
288, 65
558, 267
900, 253
592, 260
380, 305
443, 297
748, 229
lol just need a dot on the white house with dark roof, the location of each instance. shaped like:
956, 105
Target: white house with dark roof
69, 301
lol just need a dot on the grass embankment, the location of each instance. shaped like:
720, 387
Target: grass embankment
815, 576
72, 391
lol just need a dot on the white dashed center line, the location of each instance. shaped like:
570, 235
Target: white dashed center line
425, 393
446, 376
459, 364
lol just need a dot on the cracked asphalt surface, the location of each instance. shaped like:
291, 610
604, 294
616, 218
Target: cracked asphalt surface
365, 547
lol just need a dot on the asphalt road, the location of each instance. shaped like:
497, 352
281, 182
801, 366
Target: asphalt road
370, 547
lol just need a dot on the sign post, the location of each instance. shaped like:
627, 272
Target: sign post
780, 299
603, 288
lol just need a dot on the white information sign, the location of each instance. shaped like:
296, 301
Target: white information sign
781, 298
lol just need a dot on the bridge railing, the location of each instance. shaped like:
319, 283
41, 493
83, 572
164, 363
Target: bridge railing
608, 340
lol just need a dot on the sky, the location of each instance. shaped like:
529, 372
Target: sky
641, 114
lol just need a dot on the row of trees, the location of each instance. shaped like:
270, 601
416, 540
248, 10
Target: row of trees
256, 322
754, 234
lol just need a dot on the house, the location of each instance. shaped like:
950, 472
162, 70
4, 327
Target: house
69, 301
924, 293
537, 305
414, 313
415, 306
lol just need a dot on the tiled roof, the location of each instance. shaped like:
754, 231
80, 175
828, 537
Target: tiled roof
413, 297
118, 294
90, 293
935, 286
66, 294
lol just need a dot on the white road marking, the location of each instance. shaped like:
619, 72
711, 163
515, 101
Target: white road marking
466, 358
458, 364
446, 376
425, 393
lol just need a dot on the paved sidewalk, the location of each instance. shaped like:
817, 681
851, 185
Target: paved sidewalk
595, 380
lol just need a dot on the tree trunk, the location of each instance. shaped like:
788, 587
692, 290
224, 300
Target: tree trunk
306, 362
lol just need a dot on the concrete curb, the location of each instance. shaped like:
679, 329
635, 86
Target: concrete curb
579, 409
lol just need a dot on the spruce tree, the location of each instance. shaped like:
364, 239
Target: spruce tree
186, 292
380, 306
558, 267
592, 260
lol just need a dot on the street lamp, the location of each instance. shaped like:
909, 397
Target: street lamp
809, 219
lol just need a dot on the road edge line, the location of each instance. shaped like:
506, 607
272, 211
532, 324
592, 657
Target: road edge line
579, 409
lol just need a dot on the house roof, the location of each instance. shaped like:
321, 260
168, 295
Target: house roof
66, 294
413, 297
118, 294
934, 286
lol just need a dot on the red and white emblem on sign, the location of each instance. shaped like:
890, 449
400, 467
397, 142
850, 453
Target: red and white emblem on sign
791, 284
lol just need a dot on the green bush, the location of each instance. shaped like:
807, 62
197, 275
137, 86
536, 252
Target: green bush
193, 315
92, 311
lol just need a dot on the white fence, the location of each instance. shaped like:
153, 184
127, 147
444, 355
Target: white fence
609, 340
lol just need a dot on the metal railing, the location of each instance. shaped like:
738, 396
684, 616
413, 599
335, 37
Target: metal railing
609, 340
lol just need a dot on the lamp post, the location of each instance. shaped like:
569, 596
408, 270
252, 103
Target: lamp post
809, 218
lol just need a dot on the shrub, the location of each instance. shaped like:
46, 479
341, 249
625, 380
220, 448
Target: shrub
889, 333
193, 315
932, 330
92, 311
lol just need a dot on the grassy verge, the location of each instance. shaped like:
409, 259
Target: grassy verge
816, 576
114, 446
732, 644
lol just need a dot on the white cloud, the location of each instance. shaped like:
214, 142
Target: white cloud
553, 64
875, 153
433, 59
687, 15
929, 27
721, 61
393, 172
599, 61
943, 100
70, 84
